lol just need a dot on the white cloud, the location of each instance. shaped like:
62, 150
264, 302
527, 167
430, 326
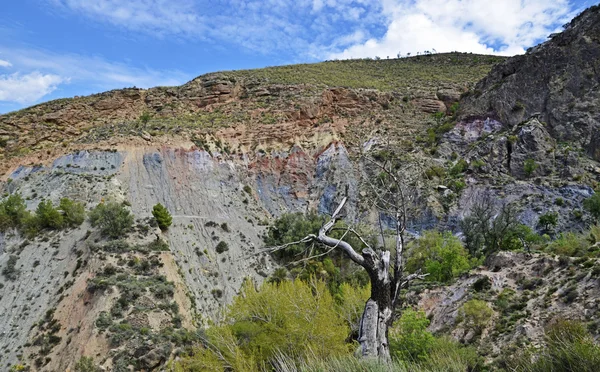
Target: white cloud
93, 70
481, 26
297, 27
27, 88
159, 17
4, 63
42, 72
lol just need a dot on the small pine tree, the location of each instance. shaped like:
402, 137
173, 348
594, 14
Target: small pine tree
162, 216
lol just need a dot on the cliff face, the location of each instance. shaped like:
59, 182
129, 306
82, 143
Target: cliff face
556, 81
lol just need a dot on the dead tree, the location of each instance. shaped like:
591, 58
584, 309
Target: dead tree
384, 265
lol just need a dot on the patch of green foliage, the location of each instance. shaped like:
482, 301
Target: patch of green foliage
47, 216
113, 219
14, 214
441, 255
222, 247
86, 364
529, 166
548, 220
488, 229
569, 244
592, 205
73, 212
262, 324
475, 314
409, 338
10, 271
331, 265
162, 216
568, 347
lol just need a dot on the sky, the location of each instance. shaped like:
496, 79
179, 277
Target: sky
53, 49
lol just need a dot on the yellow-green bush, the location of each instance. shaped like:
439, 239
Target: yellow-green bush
293, 318
441, 255
476, 314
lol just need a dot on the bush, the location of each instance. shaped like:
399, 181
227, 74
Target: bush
47, 216
113, 219
291, 318
162, 216
73, 212
13, 212
441, 254
222, 247
529, 166
569, 244
488, 230
460, 167
10, 271
592, 205
476, 314
86, 364
409, 338
569, 347
548, 220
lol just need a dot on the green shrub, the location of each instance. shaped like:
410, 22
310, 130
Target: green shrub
162, 216
442, 255
73, 212
13, 212
113, 219
86, 364
291, 318
222, 247
548, 220
482, 284
47, 216
529, 166
409, 338
435, 171
569, 244
592, 205
460, 167
476, 314
145, 117
10, 271
569, 347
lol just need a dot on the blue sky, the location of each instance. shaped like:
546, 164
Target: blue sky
61, 48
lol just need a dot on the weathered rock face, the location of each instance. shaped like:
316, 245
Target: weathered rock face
211, 200
535, 285
556, 81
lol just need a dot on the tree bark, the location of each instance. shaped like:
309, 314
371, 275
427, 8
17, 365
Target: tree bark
377, 316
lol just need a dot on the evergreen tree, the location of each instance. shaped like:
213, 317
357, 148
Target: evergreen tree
162, 216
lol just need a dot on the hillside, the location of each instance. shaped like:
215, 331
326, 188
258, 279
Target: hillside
229, 152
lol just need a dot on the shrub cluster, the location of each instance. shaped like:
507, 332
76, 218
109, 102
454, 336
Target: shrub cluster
441, 255
14, 214
113, 219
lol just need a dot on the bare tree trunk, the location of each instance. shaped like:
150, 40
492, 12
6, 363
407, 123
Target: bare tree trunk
385, 287
377, 316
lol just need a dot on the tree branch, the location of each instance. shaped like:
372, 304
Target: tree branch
332, 242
